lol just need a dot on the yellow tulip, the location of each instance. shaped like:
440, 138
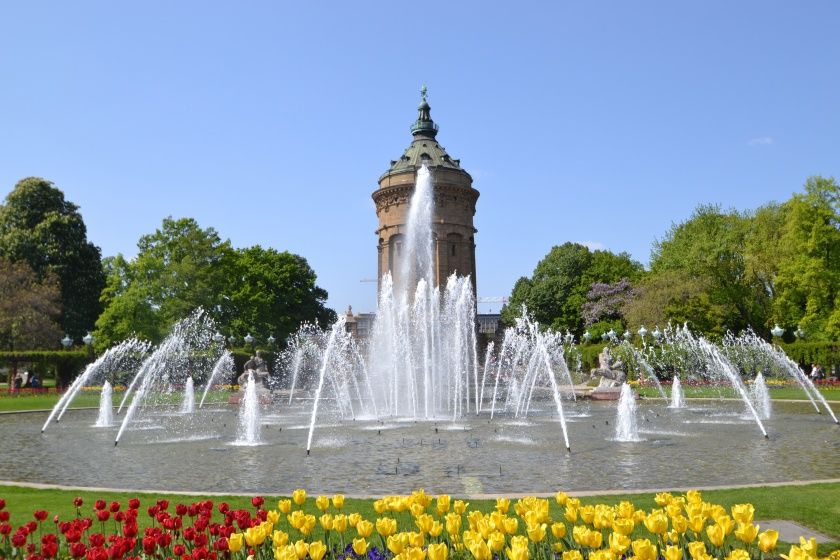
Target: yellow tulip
502, 505
679, 523
587, 513
340, 523
395, 544
518, 549
317, 550
479, 549
571, 514
380, 506
443, 503
536, 532
511, 525
743, 513
625, 510
663, 499
415, 553
715, 510
326, 522
301, 549
254, 536
461, 506
279, 538
619, 543
308, 524
726, 522
623, 526
322, 503
286, 552
673, 553
693, 497
364, 528
436, 529
697, 549
416, 539
605, 554
272, 516
595, 539
561, 498
738, 554
453, 523
496, 541
438, 551
716, 534
417, 509
767, 540
235, 542
338, 501
656, 523
572, 555
284, 506
580, 534
696, 523
643, 549
354, 518
558, 530
386, 526
673, 509
809, 546
639, 516
746, 533
299, 496
360, 546
796, 553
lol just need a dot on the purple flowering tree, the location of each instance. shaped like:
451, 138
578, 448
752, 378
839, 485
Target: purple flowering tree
604, 302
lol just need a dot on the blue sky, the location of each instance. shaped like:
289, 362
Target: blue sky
598, 122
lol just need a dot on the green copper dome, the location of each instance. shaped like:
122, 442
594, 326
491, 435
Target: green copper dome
424, 148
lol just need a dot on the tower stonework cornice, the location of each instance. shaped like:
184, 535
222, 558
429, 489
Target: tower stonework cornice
455, 201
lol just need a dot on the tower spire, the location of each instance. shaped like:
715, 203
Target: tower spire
424, 125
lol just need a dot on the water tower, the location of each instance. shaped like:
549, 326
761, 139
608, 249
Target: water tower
455, 198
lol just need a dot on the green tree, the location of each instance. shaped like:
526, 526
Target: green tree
39, 227
29, 308
710, 250
557, 290
274, 293
178, 268
807, 287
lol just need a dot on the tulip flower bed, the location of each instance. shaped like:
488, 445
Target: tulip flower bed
412, 527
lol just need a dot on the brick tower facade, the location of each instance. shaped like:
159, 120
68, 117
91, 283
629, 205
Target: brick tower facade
455, 198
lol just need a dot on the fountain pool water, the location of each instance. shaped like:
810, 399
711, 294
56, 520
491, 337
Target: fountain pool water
677, 399
761, 397
188, 404
106, 407
626, 429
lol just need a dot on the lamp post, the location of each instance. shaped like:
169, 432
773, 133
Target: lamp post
89, 339
271, 340
642, 332
587, 336
627, 335
67, 342
657, 334
777, 331
250, 341
799, 333
219, 338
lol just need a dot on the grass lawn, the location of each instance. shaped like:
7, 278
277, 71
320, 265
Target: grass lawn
11, 403
714, 392
816, 506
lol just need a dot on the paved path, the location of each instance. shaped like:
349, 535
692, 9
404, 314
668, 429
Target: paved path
790, 531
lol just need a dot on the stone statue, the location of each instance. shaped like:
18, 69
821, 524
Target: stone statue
259, 368
611, 371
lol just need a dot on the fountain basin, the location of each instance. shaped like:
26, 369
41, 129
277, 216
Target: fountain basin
680, 448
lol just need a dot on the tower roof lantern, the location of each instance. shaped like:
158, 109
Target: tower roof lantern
424, 125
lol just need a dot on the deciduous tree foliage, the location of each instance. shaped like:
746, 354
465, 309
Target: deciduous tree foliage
556, 292
39, 227
29, 308
181, 267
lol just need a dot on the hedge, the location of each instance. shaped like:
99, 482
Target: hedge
65, 363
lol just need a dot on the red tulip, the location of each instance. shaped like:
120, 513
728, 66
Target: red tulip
2, 503
149, 545
257, 501
181, 510
18, 539
164, 540
72, 535
153, 511
224, 507
78, 550
4, 516
31, 526
5, 529
163, 504
77, 501
134, 503
114, 507
179, 550
99, 504
199, 554
103, 515
221, 544
49, 550
97, 553
96, 539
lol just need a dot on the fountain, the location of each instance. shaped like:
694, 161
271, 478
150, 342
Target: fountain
188, 404
223, 367
761, 397
249, 414
677, 399
118, 360
106, 407
626, 429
